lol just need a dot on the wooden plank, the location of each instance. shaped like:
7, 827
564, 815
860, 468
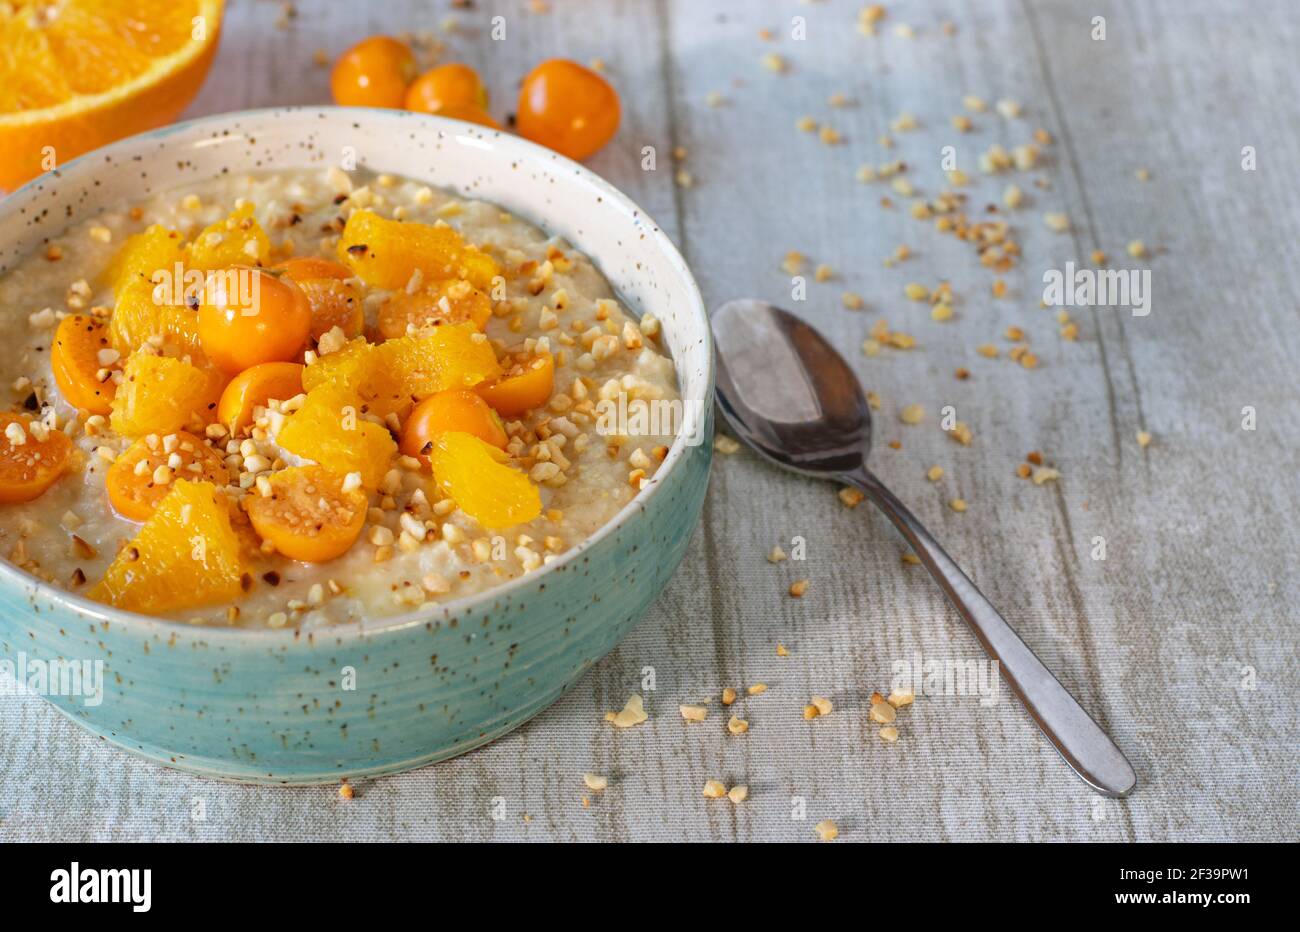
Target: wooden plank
1196, 587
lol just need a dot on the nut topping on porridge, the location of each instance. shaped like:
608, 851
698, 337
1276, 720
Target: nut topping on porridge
282, 370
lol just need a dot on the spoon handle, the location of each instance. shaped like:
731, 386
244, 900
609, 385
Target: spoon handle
1080, 740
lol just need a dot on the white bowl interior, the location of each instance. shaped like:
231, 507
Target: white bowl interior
556, 194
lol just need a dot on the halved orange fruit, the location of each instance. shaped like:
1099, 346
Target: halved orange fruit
76, 74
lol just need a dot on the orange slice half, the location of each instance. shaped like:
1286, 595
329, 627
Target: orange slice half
76, 74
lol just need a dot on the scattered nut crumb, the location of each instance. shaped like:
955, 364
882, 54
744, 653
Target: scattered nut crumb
901, 696
883, 713
633, 713
725, 445
851, 497
694, 713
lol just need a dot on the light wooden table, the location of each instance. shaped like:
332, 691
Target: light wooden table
1182, 641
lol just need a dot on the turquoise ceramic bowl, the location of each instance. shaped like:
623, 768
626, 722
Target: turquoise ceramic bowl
273, 706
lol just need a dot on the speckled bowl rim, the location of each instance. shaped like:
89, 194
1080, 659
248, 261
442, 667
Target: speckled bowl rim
442, 612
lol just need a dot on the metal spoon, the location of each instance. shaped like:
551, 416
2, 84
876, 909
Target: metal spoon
791, 397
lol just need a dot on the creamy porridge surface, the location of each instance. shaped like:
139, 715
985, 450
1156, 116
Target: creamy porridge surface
416, 545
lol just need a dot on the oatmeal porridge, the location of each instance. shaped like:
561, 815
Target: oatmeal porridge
303, 398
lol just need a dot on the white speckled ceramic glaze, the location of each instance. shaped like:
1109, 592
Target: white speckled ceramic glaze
271, 706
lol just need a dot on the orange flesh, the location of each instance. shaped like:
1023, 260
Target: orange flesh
95, 71
334, 301
160, 394
253, 388
308, 516
74, 359
131, 487
185, 555
234, 241
449, 302
29, 468
479, 480
329, 429
386, 253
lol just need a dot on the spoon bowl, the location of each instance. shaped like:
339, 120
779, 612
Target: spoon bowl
787, 391
790, 396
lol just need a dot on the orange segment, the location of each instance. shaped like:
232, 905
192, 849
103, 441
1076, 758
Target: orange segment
237, 240
457, 409
32, 458
349, 368
525, 386
390, 376
76, 74
76, 362
335, 302
330, 430
310, 514
452, 356
454, 301
253, 388
357, 370
154, 249
135, 485
142, 312
185, 555
386, 253
148, 279
475, 475
159, 395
